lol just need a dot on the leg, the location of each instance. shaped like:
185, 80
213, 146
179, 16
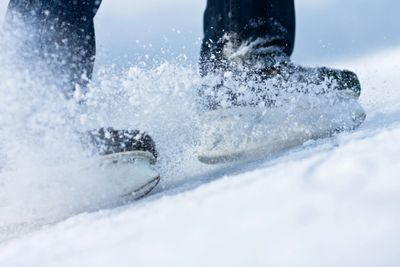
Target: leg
252, 40
267, 25
253, 97
63, 37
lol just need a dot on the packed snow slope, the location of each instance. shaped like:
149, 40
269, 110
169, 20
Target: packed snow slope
332, 202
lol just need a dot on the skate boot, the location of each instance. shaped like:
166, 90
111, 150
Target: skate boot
263, 81
128, 157
260, 106
110, 141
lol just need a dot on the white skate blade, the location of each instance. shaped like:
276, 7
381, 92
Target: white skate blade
247, 133
57, 192
132, 172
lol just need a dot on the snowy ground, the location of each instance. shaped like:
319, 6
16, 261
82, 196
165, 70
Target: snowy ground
333, 202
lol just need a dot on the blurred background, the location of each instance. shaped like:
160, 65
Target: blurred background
327, 30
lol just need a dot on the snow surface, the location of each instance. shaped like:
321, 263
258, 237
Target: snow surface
331, 202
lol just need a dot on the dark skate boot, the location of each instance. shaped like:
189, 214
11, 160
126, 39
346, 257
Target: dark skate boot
262, 80
110, 141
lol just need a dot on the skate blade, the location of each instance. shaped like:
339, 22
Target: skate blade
132, 172
144, 190
249, 133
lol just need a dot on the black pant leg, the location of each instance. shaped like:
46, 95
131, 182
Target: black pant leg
62, 33
269, 22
